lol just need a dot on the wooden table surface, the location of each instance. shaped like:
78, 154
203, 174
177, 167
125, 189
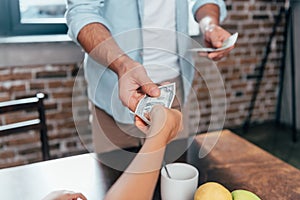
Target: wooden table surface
238, 164
234, 162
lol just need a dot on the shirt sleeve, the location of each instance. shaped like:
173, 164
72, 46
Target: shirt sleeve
82, 12
220, 3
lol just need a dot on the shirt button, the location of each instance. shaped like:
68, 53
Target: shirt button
101, 3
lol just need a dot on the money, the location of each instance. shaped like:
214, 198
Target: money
226, 44
166, 98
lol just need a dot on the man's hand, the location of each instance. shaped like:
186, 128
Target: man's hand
214, 37
208, 17
134, 83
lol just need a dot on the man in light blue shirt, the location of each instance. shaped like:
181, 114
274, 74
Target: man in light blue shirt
112, 33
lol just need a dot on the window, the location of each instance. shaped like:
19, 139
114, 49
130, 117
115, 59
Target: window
36, 17
32, 17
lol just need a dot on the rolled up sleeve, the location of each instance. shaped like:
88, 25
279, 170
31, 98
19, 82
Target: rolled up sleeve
220, 3
82, 12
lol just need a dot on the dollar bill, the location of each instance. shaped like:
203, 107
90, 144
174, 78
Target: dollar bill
226, 44
166, 98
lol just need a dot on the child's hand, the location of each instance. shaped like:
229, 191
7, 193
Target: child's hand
65, 195
165, 123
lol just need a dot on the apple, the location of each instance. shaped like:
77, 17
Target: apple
212, 191
244, 195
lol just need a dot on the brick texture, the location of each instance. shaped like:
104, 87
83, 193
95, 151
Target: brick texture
253, 19
57, 82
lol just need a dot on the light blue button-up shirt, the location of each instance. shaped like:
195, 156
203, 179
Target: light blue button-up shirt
123, 18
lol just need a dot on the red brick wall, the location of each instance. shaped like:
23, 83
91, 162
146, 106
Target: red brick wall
57, 82
253, 19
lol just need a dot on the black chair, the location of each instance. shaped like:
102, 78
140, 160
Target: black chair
39, 123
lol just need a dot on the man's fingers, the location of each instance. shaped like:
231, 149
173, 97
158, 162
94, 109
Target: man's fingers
147, 86
133, 85
133, 101
203, 54
217, 43
151, 89
220, 54
214, 39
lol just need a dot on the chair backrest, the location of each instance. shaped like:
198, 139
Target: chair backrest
39, 123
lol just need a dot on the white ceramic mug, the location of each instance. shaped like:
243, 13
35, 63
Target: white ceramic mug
183, 183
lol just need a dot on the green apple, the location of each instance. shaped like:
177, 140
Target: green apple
244, 195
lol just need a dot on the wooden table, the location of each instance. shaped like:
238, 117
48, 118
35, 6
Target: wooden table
238, 164
234, 162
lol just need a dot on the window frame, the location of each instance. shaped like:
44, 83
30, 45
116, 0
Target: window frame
10, 22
